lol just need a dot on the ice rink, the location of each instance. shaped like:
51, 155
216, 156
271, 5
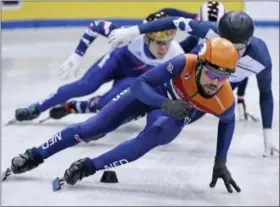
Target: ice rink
176, 174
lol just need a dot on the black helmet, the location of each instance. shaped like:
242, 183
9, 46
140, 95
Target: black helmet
236, 26
156, 16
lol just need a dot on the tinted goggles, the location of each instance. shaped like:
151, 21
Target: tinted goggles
161, 42
215, 76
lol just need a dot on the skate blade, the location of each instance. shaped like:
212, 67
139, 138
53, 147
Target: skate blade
57, 183
31, 122
11, 122
252, 117
6, 174
43, 120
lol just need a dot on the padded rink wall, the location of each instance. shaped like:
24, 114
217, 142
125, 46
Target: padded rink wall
24, 14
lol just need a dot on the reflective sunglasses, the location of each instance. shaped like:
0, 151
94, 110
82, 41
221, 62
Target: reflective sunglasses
161, 42
213, 76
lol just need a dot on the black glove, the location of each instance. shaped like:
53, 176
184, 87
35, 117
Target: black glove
178, 109
220, 171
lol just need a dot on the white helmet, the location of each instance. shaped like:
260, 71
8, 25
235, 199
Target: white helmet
211, 11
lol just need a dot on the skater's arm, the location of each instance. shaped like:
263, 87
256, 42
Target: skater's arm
179, 13
225, 131
196, 49
94, 29
266, 98
189, 43
264, 84
198, 29
142, 88
104, 69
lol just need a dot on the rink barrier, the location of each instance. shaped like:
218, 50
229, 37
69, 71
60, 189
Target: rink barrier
25, 24
105, 9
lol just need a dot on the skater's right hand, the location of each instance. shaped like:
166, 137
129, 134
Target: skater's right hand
70, 67
220, 171
178, 109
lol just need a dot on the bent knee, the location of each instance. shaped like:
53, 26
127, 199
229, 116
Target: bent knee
84, 86
165, 130
89, 131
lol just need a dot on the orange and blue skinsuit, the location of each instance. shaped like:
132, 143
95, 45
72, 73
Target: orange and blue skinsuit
174, 79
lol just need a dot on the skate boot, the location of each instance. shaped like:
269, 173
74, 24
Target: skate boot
27, 114
63, 110
78, 170
25, 162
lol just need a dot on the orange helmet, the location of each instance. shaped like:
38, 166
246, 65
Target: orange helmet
220, 54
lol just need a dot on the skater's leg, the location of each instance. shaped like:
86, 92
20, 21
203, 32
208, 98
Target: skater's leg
109, 118
160, 129
92, 105
96, 75
97, 103
89, 83
242, 88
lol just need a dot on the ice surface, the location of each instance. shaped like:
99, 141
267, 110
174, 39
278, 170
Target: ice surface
176, 174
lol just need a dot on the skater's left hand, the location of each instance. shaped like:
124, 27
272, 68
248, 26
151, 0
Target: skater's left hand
70, 67
123, 36
220, 171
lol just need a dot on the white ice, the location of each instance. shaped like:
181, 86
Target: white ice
176, 174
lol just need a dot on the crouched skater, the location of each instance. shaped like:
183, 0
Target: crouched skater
171, 95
